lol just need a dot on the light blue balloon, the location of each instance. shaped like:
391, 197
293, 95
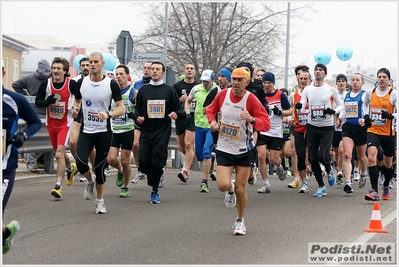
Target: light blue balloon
323, 57
110, 62
344, 53
76, 61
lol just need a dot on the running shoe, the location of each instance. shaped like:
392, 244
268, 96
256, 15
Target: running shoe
372, 195
381, 179
119, 179
339, 179
348, 187
155, 198
294, 184
183, 176
391, 183
213, 175
321, 191
162, 180
204, 188
70, 174
385, 193
362, 181
88, 193
230, 198
125, 192
138, 177
281, 174
239, 227
356, 175
252, 175
331, 177
14, 227
82, 178
304, 189
57, 191
213, 163
100, 207
265, 189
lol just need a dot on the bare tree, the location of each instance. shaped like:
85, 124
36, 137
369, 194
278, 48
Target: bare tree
215, 35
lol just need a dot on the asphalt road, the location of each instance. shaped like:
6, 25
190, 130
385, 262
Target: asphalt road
187, 227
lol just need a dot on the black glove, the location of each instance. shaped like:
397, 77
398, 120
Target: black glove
298, 105
276, 111
17, 139
386, 115
329, 111
51, 99
188, 117
132, 115
367, 121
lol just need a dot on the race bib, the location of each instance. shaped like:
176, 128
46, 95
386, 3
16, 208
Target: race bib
317, 113
156, 109
351, 109
57, 110
230, 131
92, 117
376, 117
121, 119
303, 117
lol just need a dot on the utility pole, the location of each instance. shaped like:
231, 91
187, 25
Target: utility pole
165, 41
287, 47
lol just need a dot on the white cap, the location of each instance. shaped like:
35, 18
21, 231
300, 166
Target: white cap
207, 75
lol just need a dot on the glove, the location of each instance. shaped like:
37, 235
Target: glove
51, 99
329, 111
298, 105
132, 115
386, 115
188, 117
276, 111
17, 139
367, 121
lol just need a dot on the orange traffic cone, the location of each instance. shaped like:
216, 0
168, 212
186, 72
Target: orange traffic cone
376, 222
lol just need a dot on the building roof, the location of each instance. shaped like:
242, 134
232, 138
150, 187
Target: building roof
31, 57
14, 43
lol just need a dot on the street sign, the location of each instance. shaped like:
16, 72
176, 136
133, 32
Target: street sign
124, 47
144, 57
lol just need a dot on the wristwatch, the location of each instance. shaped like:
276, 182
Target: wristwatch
110, 114
25, 135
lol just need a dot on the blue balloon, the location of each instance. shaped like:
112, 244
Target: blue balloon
110, 62
323, 57
344, 53
76, 61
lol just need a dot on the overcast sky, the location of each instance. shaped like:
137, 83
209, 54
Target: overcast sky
369, 28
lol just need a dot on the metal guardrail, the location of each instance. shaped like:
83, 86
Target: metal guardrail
40, 142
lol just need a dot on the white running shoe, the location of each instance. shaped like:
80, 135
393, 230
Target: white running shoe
100, 207
239, 227
230, 199
162, 180
89, 190
138, 177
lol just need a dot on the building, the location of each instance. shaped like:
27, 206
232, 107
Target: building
12, 58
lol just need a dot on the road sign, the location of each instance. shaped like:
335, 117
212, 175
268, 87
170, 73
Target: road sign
144, 56
124, 47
